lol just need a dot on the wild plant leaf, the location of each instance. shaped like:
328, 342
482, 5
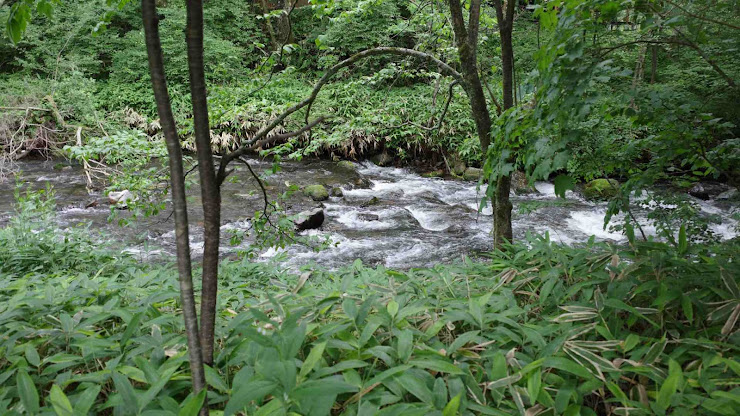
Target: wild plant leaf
27, 392
405, 345
130, 404
192, 405
438, 365
416, 386
60, 402
313, 358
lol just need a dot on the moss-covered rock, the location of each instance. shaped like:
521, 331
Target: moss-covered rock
316, 192
601, 189
346, 164
472, 174
337, 192
434, 174
520, 183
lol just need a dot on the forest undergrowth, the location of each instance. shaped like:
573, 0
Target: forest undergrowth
645, 328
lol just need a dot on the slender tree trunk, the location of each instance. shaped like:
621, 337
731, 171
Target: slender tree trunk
164, 109
210, 192
268, 23
467, 46
502, 207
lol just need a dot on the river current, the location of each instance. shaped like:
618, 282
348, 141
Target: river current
386, 216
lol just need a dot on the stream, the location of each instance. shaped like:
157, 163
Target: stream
415, 221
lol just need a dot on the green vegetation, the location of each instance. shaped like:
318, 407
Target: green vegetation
621, 97
648, 327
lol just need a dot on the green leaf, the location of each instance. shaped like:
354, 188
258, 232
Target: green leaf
193, 404
436, 365
313, 358
86, 400
669, 386
562, 184
388, 373
405, 345
567, 365
392, 308
244, 394
27, 391
328, 386
416, 386
126, 390
154, 390
452, 406
32, 356
534, 383
60, 402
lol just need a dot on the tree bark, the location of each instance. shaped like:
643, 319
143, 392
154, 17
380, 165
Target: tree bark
209, 186
167, 120
467, 47
502, 207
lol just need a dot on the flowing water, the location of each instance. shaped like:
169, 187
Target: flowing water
412, 222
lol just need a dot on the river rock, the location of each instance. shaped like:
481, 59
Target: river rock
728, 195
707, 190
346, 164
434, 174
370, 202
309, 220
382, 159
362, 183
121, 198
601, 189
520, 183
368, 217
458, 167
472, 174
337, 192
316, 192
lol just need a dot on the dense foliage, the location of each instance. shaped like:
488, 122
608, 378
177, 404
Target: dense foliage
598, 329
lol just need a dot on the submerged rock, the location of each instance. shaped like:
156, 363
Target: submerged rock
337, 192
121, 199
368, 217
316, 192
472, 174
362, 183
728, 195
601, 189
309, 220
370, 202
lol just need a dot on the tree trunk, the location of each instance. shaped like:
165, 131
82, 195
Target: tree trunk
654, 64
467, 46
502, 230
164, 109
210, 192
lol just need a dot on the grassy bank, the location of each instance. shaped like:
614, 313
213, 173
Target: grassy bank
542, 329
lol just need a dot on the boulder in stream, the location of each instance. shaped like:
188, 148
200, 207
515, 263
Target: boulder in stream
309, 220
368, 217
316, 192
370, 202
382, 159
601, 189
707, 190
472, 174
121, 198
337, 192
434, 174
346, 164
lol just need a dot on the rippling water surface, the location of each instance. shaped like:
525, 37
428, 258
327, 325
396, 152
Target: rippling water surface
415, 221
